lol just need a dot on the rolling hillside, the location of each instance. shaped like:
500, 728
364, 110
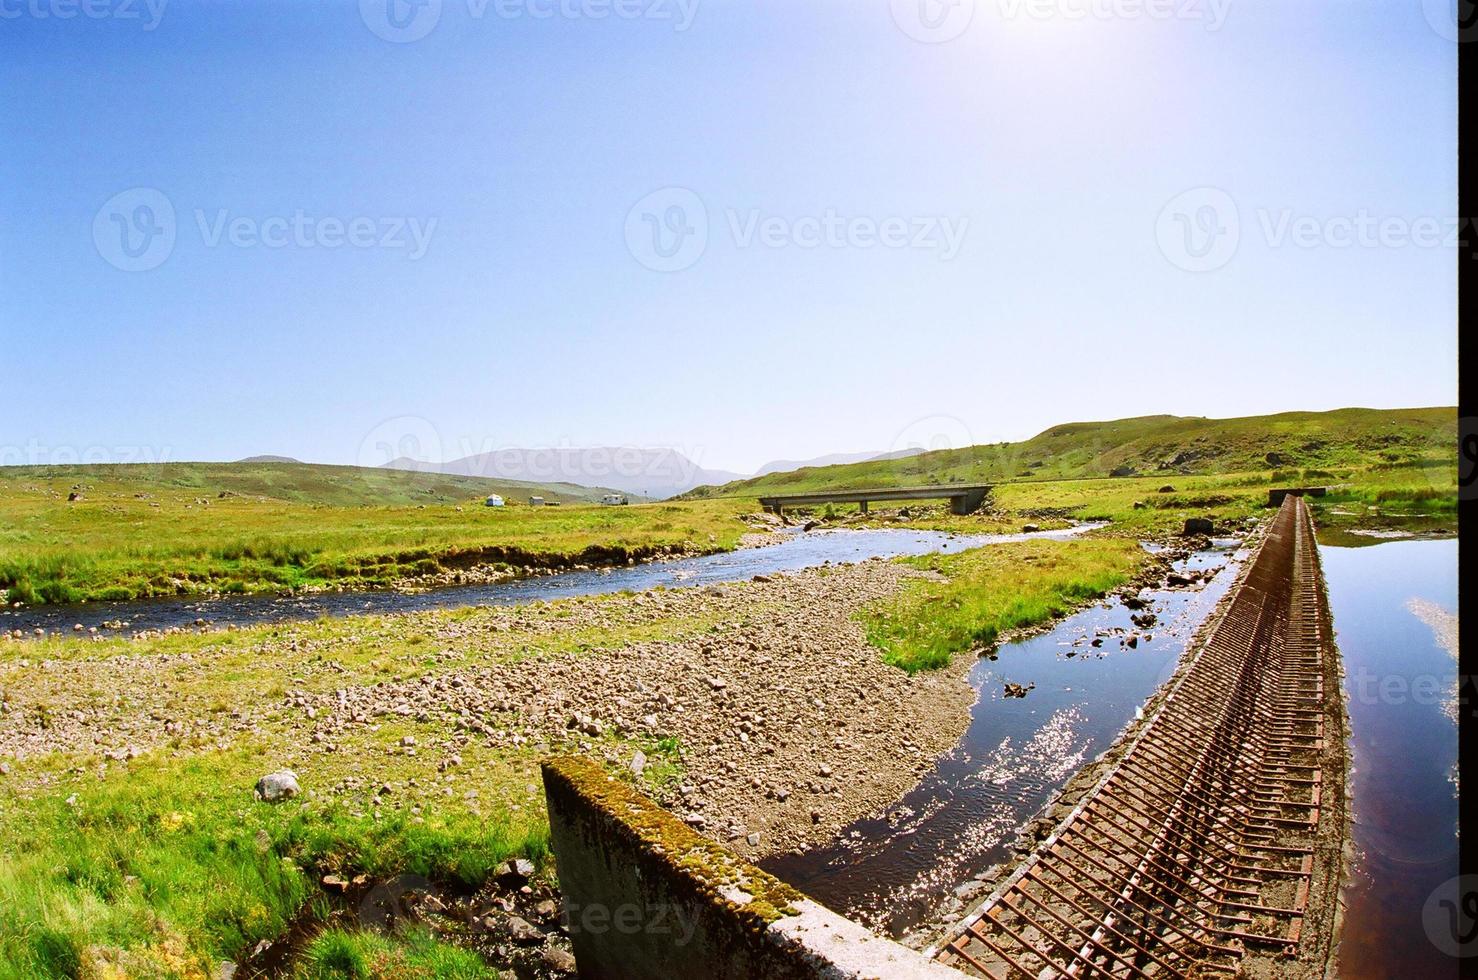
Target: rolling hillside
1150, 446
302, 483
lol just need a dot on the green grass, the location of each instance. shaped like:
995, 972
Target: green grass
148, 530
172, 866
1156, 445
414, 954
166, 864
986, 592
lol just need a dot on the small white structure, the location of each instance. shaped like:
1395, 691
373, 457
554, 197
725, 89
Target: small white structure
614, 499
536, 501
493, 501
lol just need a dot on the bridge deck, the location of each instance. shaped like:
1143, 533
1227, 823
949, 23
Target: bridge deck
963, 497
1199, 844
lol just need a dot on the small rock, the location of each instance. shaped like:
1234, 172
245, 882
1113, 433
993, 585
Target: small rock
558, 960
277, 786
753, 840
638, 762
523, 933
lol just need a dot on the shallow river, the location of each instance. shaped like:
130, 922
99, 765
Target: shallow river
800, 550
893, 871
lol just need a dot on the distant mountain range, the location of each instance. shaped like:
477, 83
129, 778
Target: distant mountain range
654, 473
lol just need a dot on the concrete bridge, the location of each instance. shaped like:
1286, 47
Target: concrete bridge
964, 498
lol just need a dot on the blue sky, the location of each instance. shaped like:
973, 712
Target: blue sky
745, 230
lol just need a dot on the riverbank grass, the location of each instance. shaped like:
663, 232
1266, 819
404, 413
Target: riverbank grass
976, 596
186, 529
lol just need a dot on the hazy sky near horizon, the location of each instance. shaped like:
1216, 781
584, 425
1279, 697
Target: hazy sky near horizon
340, 230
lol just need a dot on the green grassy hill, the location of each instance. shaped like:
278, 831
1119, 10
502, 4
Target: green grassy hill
305, 483
1152, 445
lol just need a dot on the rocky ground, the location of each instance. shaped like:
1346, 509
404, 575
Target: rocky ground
785, 724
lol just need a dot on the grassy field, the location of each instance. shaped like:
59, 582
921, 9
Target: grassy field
212, 528
151, 531
985, 592
164, 864
1154, 446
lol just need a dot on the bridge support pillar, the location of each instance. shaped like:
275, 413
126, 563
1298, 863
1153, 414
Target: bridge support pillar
967, 503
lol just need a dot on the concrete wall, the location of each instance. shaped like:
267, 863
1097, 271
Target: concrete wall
646, 896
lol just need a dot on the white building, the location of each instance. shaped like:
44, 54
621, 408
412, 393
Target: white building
493, 501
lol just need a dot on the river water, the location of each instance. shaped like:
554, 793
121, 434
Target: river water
1401, 683
798, 550
896, 871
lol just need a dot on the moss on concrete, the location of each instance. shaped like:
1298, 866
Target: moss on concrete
713, 871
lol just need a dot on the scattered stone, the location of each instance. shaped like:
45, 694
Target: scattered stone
277, 786
638, 762
559, 960
522, 932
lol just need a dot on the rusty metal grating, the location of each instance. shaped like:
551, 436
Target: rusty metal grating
1199, 841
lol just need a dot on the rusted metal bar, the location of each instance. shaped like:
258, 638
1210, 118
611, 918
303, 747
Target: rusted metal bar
1162, 860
